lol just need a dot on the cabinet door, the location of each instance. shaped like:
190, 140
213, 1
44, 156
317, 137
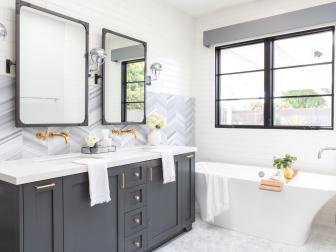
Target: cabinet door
163, 205
43, 216
187, 174
87, 228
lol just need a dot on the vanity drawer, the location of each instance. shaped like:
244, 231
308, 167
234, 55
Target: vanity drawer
135, 221
135, 197
135, 175
136, 242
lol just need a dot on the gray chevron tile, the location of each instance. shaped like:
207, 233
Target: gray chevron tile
33, 147
22, 143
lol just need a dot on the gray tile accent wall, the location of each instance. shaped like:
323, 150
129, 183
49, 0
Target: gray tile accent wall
18, 143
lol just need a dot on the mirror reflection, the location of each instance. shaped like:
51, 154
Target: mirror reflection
52, 69
124, 79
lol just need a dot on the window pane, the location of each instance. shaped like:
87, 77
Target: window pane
135, 92
248, 85
305, 111
303, 81
135, 71
307, 49
135, 112
242, 58
242, 112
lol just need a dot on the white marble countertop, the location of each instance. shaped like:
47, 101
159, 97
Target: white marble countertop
24, 171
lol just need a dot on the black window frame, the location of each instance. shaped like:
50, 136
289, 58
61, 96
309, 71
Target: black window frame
124, 84
269, 82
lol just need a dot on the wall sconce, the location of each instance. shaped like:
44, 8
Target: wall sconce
156, 70
3, 35
98, 56
3, 32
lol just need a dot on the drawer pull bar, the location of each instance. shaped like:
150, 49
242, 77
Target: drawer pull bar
136, 174
151, 174
190, 156
123, 181
45, 186
137, 244
136, 220
137, 197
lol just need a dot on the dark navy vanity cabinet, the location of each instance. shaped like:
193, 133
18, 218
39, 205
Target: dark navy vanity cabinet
55, 215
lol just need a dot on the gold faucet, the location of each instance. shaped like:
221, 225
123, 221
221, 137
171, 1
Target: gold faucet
44, 135
127, 131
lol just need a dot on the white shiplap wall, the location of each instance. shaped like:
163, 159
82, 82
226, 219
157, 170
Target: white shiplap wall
253, 146
169, 33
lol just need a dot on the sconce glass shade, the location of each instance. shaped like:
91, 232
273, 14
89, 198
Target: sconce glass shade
3, 32
98, 55
156, 69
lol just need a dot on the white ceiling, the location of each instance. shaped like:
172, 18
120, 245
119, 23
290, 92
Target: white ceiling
197, 8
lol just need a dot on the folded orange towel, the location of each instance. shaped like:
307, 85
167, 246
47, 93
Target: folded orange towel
271, 182
271, 185
270, 188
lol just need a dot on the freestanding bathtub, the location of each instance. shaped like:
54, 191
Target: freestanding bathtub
284, 216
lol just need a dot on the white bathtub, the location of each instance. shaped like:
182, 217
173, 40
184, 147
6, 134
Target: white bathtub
285, 216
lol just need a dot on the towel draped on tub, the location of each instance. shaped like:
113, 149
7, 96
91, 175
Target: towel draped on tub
212, 193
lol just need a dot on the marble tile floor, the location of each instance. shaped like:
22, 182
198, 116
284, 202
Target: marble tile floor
208, 238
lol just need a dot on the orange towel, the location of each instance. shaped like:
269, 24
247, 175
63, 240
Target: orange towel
271, 182
271, 185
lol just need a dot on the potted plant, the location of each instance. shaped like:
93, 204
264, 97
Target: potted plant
156, 122
285, 164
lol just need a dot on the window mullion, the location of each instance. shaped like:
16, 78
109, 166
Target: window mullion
268, 85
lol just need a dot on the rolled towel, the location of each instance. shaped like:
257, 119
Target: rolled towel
98, 180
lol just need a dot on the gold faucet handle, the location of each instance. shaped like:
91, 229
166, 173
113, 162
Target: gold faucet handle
66, 133
134, 133
42, 135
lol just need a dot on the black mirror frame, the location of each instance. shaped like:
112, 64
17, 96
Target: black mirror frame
18, 122
104, 122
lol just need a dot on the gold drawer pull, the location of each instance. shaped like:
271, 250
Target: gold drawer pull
136, 220
45, 186
123, 181
190, 156
137, 197
151, 174
137, 244
136, 174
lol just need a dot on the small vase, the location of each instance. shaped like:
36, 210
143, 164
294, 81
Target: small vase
288, 173
154, 137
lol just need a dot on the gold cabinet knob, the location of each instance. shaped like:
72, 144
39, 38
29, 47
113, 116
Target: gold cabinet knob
136, 174
137, 197
136, 220
137, 244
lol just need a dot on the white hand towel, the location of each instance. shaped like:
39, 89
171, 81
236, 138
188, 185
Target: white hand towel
212, 194
168, 165
98, 180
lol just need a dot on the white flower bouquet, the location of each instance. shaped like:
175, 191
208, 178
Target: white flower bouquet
156, 121
91, 141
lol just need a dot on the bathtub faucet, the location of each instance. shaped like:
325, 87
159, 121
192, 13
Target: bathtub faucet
319, 155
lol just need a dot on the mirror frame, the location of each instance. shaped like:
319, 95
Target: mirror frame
104, 122
18, 122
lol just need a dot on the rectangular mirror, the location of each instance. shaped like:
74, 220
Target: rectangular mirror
52, 68
124, 74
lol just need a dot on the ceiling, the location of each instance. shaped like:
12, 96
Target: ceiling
198, 8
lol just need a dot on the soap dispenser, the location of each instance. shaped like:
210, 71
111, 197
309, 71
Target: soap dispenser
105, 141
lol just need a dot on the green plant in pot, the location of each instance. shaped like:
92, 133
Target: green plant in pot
285, 164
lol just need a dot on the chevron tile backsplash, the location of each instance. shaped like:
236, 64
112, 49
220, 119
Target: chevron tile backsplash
18, 143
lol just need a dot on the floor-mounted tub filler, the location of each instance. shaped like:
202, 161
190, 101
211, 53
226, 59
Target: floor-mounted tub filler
284, 216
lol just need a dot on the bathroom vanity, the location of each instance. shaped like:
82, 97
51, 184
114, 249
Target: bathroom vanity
45, 204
